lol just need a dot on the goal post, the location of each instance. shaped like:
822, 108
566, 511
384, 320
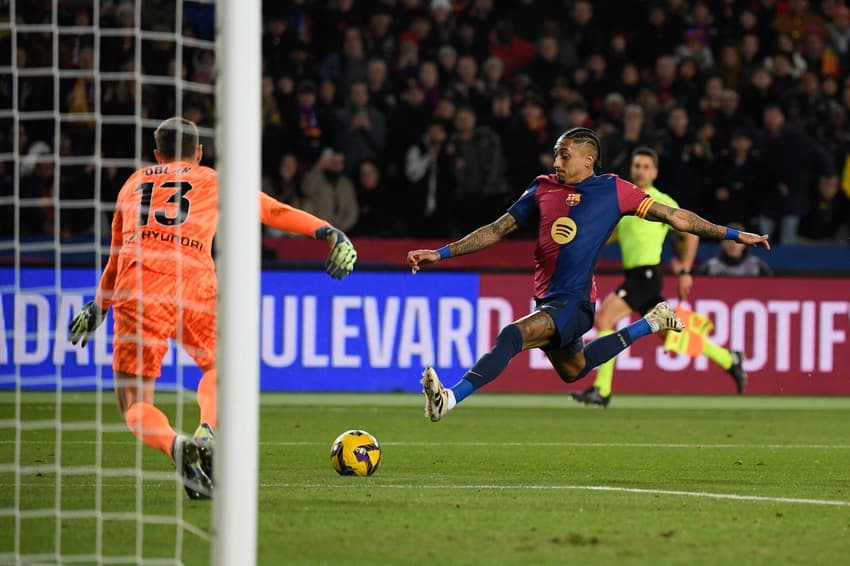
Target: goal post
238, 162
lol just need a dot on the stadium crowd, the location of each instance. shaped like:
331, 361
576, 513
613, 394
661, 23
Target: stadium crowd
427, 118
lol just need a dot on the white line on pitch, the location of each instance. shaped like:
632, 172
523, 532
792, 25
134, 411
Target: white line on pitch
496, 487
531, 444
580, 444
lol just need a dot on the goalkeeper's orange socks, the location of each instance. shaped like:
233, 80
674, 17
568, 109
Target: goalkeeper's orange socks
206, 397
717, 354
605, 372
150, 425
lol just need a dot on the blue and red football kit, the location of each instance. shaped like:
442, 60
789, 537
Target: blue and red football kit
575, 222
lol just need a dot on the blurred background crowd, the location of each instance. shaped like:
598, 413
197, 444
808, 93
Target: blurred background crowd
427, 118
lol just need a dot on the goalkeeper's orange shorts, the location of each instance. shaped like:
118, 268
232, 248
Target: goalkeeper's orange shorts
150, 307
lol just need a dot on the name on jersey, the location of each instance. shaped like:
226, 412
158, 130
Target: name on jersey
183, 240
165, 169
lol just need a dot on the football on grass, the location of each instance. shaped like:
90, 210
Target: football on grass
355, 453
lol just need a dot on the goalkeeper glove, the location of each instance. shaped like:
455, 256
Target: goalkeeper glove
85, 323
343, 256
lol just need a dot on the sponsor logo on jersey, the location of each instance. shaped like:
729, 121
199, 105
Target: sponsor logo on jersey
564, 230
573, 199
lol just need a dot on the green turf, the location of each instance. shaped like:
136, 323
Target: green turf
506, 479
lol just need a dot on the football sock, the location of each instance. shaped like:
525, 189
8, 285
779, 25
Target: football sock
508, 344
605, 373
150, 425
206, 397
606, 347
461, 390
717, 354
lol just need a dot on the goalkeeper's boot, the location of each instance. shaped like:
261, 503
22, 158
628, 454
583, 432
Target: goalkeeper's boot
591, 397
662, 317
188, 460
436, 396
737, 371
205, 435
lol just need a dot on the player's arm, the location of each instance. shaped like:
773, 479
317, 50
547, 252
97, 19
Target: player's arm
686, 250
342, 257
476, 240
686, 221
84, 324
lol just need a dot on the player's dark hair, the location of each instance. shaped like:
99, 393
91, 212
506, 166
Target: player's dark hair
168, 133
584, 136
648, 152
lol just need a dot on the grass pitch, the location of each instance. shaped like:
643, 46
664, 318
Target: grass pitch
505, 479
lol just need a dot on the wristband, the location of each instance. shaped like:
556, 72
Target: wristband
684, 272
731, 234
444, 252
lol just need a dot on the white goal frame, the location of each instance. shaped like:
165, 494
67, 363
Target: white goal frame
238, 48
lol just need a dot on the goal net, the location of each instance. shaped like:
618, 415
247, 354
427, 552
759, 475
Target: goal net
83, 85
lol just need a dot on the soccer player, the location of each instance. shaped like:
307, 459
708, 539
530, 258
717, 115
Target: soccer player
160, 281
641, 243
576, 212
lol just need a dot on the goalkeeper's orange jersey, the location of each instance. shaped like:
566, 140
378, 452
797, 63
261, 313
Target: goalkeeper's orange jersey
165, 219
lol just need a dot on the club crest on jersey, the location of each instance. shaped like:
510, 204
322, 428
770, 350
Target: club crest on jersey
564, 230
573, 199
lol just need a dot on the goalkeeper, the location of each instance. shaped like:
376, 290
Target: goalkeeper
641, 242
160, 281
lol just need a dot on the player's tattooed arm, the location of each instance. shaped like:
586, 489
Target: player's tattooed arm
485, 236
685, 221
472, 242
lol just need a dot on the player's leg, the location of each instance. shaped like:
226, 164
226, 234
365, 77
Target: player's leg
730, 360
142, 327
613, 309
662, 317
533, 331
197, 324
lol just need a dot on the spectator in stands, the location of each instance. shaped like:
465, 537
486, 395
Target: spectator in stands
528, 140
285, 186
444, 23
584, 30
683, 162
798, 20
620, 144
479, 167
828, 221
547, 67
37, 186
381, 93
361, 128
734, 259
839, 34
737, 179
378, 203
348, 66
657, 36
406, 124
305, 125
468, 88
728, 119
329, 193
793, 165
512, 50
429, 171
380, 41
